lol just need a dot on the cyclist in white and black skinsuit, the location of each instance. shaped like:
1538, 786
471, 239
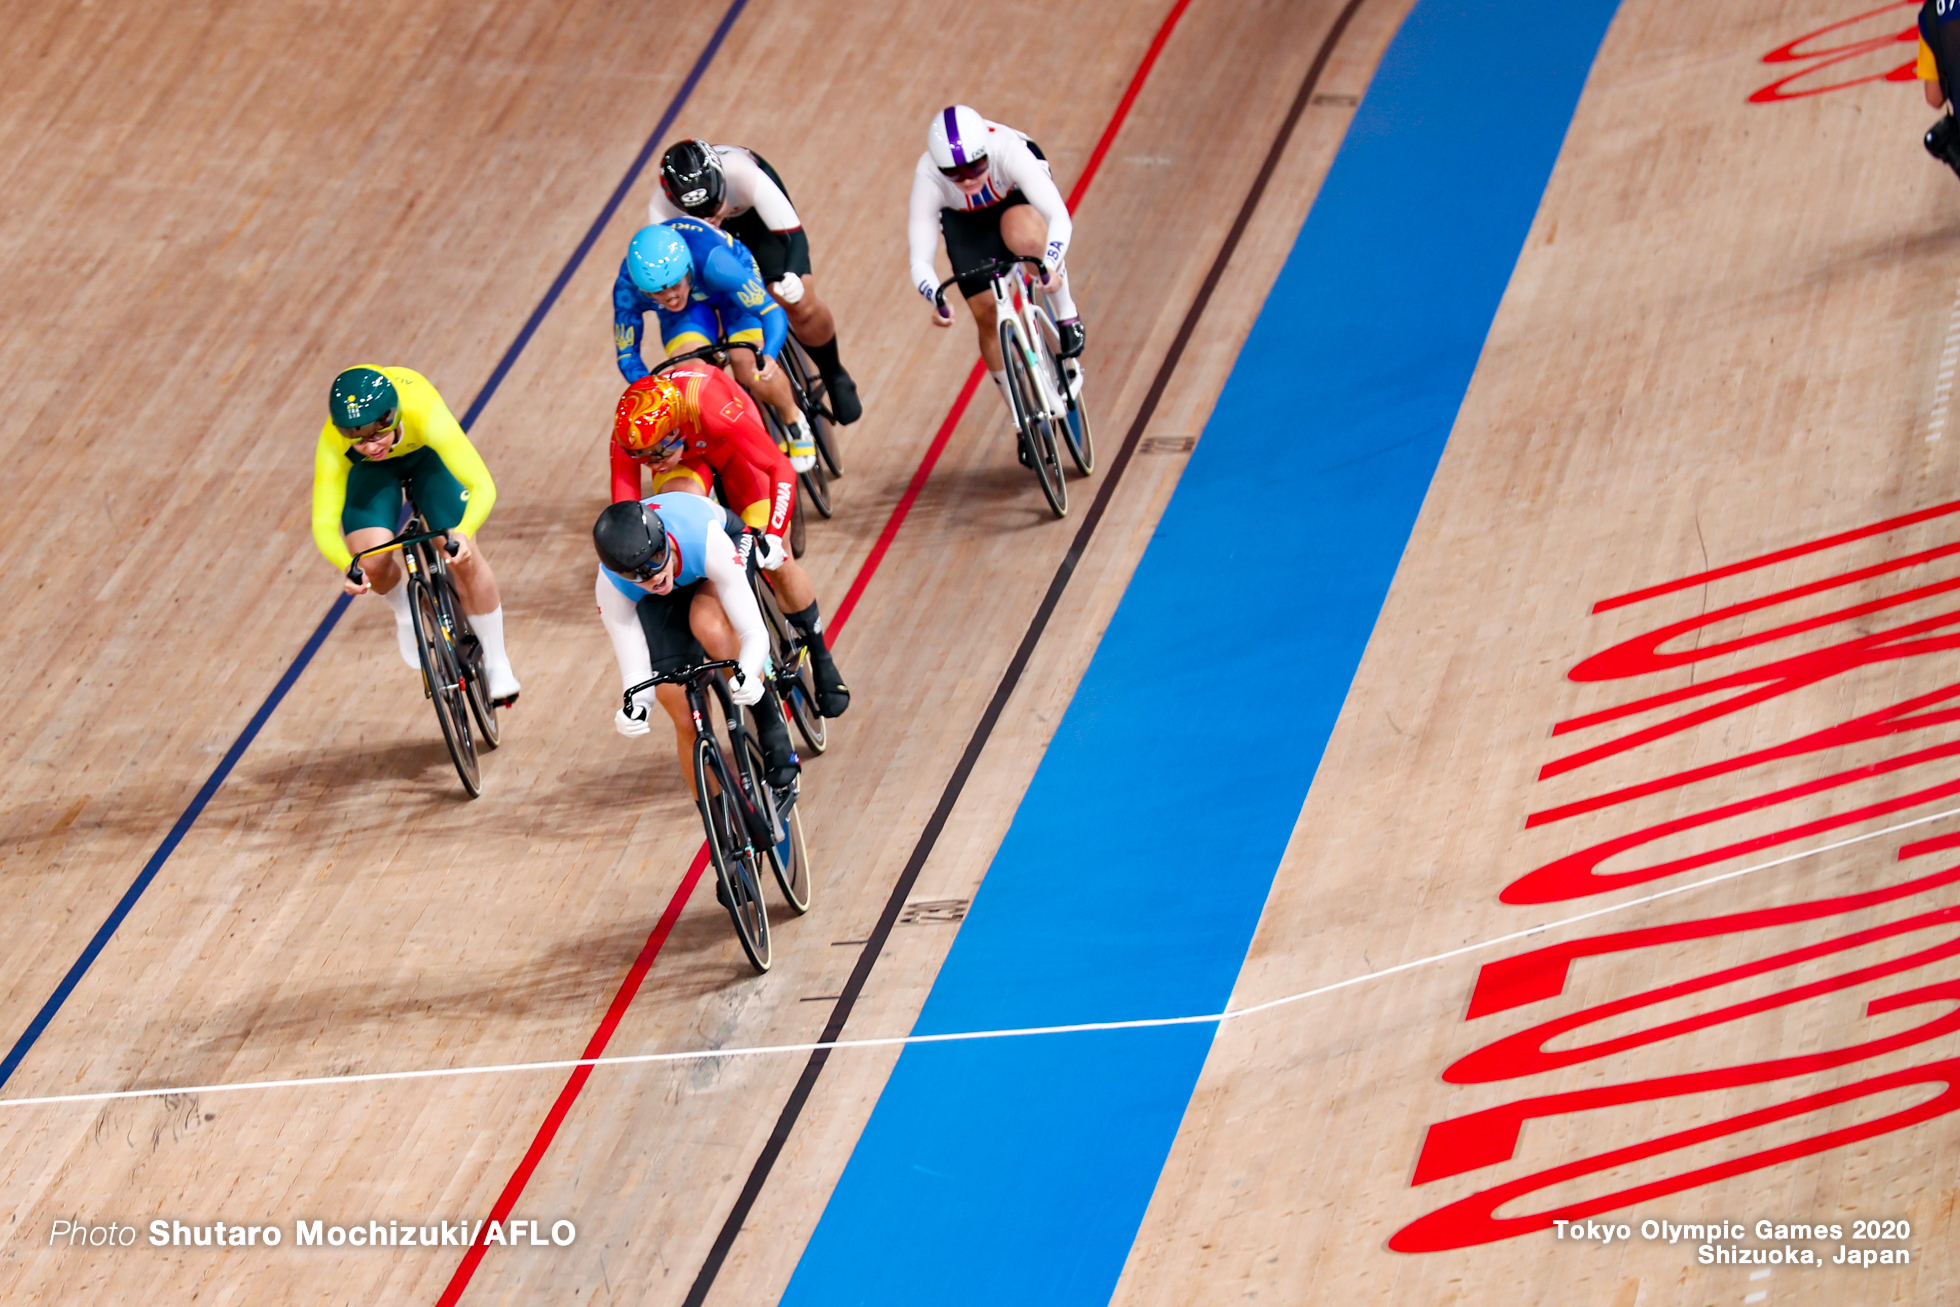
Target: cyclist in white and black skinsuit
737, 190
988, 188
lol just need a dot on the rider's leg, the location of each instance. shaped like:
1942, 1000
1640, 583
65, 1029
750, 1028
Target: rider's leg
1022, 228
798, 599
811, 322
476, 585
384, 573
980, 305
674, 700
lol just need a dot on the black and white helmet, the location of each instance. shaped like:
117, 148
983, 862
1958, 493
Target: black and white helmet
690, 173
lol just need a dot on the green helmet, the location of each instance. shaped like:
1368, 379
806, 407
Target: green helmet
361, 397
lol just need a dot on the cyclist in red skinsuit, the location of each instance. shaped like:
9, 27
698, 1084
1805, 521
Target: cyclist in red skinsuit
723, 439
691, 426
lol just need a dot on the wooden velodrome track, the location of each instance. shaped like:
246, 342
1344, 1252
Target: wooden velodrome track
1728, 334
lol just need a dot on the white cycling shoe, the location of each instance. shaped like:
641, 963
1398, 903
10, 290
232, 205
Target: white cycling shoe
500, 681
802, 446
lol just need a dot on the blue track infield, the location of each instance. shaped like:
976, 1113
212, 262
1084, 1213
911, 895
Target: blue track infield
1017, 1171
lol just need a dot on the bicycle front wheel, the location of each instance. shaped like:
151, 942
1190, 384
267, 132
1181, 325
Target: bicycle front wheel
731, 851
1031, 416
442, 681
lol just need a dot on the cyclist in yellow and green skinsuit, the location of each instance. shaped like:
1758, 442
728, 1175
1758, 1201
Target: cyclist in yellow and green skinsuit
388, 434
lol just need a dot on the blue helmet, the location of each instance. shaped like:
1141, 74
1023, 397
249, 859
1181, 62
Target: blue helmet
657, 259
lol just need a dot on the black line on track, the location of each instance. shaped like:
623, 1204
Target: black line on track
287, 679
833, 1029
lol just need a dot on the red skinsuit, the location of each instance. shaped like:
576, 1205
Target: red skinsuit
725, 442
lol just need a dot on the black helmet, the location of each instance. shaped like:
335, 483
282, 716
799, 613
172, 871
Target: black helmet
631, 539
690, 173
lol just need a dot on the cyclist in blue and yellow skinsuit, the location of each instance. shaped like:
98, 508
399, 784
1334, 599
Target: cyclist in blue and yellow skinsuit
704, 285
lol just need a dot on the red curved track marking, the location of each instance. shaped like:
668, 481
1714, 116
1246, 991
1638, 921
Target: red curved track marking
1487, 1138
1816, 61
630, 987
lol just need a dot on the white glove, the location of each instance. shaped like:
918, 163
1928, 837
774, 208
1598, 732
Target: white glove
745, 689
772, 555
789, 289
631, 721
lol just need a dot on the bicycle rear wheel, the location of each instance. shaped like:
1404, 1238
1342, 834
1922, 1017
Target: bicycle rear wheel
1037, 430
785, 852
814, 398
816, 487
795, 681
442, 681
469, 653
731, 851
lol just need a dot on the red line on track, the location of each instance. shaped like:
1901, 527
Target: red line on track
1779, 556
629, 989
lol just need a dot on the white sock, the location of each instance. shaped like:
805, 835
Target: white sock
1059, 298
1000, 379
397, 601
489, 628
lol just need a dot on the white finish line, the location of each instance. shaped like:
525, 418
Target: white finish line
893, 1041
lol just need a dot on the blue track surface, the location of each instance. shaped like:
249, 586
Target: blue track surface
1017, 1171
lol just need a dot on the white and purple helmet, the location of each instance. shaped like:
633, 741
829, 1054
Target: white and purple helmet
957, 140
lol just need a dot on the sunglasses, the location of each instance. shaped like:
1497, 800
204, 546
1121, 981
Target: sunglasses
965, 172
651, 568
665, 449
373, 431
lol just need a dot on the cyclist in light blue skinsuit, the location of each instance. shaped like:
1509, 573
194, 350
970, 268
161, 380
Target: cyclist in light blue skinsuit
704, 285
673, 590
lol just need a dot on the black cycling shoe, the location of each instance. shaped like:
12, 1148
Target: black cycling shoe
1943, 142
772, 733
833, 696
721, 893
844, 405
1072, 337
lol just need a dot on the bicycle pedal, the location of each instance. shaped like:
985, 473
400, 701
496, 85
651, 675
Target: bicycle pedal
504, 702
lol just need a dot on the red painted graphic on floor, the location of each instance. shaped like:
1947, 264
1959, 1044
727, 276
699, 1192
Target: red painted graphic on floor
1773, 649
1857, 57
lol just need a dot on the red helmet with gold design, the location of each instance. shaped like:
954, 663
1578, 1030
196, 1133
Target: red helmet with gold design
648, 421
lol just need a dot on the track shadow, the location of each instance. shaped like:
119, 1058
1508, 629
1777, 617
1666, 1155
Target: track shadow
564, 987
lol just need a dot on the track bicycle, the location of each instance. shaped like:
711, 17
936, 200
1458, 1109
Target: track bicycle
451, 654
748, 821
1045, 389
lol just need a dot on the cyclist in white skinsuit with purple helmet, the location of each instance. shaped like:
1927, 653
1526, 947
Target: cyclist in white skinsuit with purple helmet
988, 188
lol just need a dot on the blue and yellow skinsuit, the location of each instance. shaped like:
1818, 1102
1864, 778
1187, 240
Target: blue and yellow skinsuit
726, 300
